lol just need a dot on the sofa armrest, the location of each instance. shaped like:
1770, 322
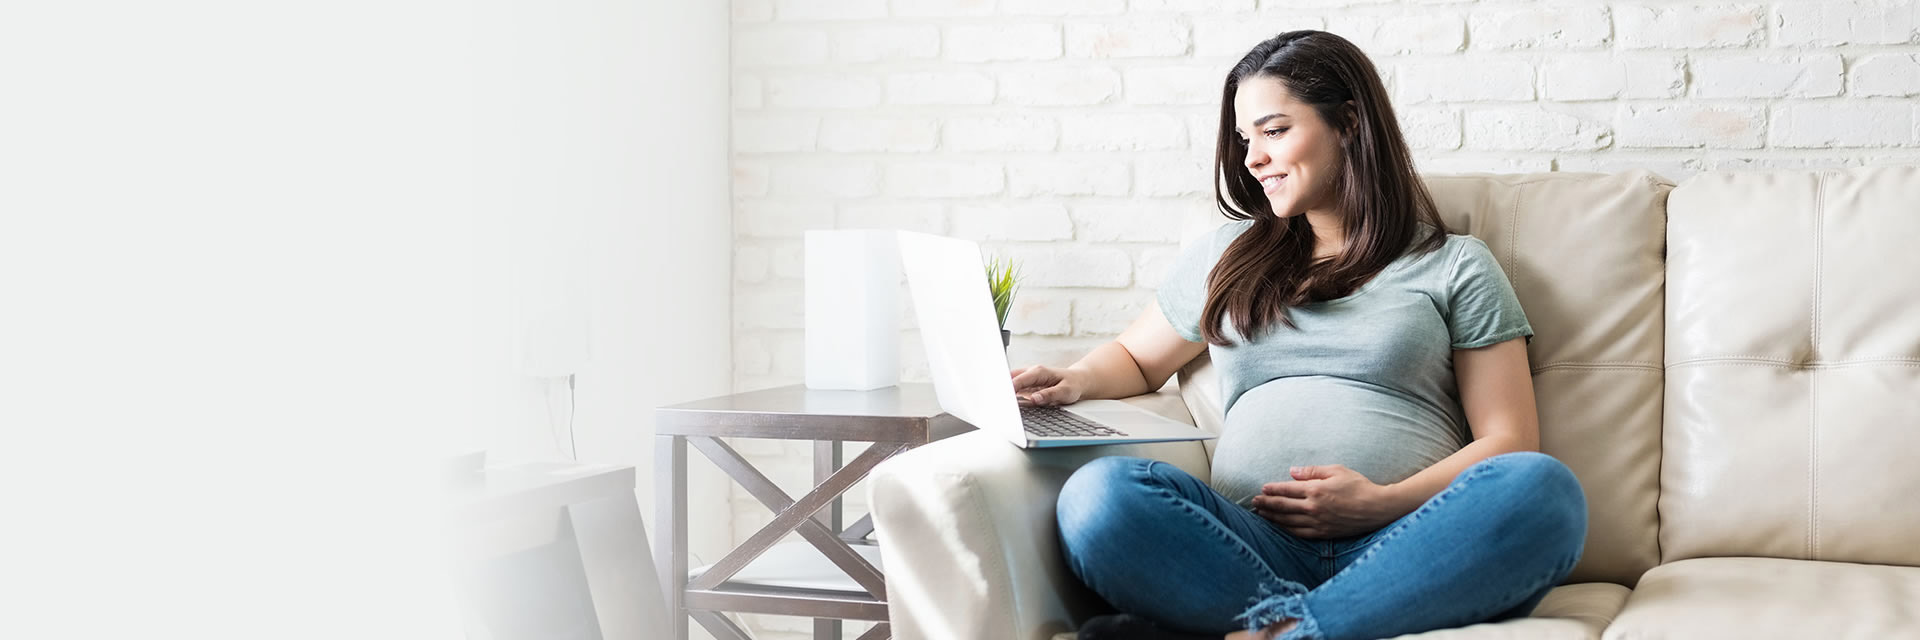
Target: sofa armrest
968, 537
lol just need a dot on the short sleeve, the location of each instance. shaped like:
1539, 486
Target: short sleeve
1482, 306
1183, 294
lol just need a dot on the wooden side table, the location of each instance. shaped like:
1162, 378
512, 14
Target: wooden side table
894, 419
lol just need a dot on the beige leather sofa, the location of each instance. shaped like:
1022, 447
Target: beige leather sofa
1731, 366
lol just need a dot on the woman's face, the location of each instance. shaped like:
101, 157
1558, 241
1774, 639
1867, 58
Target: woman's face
1292, 152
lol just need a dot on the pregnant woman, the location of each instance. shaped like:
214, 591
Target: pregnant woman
1379, 472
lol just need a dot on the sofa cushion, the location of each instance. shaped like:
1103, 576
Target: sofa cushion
1771, 598
1793, 360
1584, 253
1569, 612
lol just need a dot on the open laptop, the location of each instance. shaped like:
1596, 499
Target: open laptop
969, 365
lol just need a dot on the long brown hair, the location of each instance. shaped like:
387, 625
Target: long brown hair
1270, 267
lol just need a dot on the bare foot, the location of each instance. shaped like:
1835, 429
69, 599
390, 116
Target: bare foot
1265, 634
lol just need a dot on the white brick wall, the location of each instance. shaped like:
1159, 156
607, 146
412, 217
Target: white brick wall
1074, 134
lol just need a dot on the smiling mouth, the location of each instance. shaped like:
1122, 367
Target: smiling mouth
1271, 182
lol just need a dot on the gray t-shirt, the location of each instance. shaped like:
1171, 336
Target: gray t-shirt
1366, 380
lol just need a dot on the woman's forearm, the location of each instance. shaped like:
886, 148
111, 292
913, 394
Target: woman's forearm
1419, 487
1110, 372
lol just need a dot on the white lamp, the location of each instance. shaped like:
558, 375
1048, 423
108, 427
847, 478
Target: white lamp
852, 293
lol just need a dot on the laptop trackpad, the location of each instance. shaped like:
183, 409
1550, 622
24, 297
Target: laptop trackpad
1103, 411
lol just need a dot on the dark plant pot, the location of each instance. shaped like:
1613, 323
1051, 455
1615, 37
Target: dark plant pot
1006, 338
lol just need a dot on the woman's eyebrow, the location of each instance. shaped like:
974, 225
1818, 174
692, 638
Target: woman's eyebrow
1263, 119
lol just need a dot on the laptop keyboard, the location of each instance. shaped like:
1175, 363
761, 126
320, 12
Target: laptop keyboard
1052, 422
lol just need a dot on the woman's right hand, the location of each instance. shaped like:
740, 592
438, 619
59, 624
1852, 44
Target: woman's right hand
1047, 386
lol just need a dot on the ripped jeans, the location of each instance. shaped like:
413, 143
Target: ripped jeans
1158, 543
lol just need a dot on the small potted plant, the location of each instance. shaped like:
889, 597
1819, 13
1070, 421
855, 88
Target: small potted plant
1003, 280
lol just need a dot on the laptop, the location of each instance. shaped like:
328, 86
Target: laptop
948, 280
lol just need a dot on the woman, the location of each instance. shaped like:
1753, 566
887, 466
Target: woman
1379, 472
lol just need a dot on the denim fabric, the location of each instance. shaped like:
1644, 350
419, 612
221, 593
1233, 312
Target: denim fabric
1156, 542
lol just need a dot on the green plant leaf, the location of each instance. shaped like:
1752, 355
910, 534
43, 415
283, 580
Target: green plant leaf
1003, 282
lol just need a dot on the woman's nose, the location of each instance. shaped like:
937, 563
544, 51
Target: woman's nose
1255, 157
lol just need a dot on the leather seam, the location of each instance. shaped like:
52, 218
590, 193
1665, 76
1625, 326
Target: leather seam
1813, 414
1813, 462
1773, 362
1623, 364
1513, 235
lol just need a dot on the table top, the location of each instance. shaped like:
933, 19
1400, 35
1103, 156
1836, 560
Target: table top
906, 412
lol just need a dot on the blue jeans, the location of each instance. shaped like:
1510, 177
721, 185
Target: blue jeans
1156, 542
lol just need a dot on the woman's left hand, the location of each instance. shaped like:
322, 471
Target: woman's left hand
1329, 501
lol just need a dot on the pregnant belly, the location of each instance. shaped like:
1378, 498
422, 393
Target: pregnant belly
1319, 420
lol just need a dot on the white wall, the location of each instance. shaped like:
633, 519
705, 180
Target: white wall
1074, 134
605, 187
257, 270
607, 193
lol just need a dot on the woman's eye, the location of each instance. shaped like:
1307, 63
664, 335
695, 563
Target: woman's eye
1275, 131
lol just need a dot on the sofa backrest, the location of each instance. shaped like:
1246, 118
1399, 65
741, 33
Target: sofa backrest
1584, 253
1793, 351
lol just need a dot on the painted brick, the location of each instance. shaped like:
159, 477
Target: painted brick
1836, 22
1131, 221
789, 260
1688, 26
1059, 86
939, 88
785, 10
1074, 266
1209, 6
773, 46
747, 92
905, 216
826, 180
1194, 85
1136, 39
1179, 174
1896, 75
751, 265
941, 8
1395, 35
1503, 162
1001, 133
1430, 129
750, 179
779, 219
1106, 314
885, 43
1689, 126
752, 10
1019, 222
828, 91
944, 179
1550, 27
1855, 124
1062, 7
854, 134
1066, 177
1040, 313
984, 43
1812, 76
1492, 79
1122, 132
1530, 129
1233, 36
774, 134
1150, 269
770, 309
1579, 77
